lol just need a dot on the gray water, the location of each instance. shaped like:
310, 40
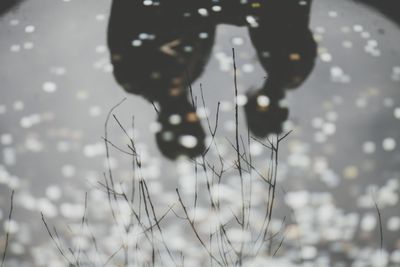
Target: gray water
341, 158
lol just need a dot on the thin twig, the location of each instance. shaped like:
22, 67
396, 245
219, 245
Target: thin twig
8, 230
195, 230
380, 223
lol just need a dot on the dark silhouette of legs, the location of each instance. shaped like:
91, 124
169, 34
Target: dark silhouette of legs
157, 49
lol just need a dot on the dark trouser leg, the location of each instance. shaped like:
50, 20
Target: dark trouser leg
287, 55
286, 50
156, 55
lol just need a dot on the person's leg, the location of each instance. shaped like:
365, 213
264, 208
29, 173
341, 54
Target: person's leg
156, 51
284, 43
286, 50
181, 131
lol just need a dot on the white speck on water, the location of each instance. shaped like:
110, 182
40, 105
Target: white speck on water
49, 87
389, 144
188, 141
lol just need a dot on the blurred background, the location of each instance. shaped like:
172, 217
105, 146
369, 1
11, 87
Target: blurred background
341, 158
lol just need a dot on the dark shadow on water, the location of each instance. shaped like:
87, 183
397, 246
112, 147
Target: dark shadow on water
389, 8
160, 48
7, 5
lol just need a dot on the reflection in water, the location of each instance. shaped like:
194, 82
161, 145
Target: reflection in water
342, 155
158, 47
